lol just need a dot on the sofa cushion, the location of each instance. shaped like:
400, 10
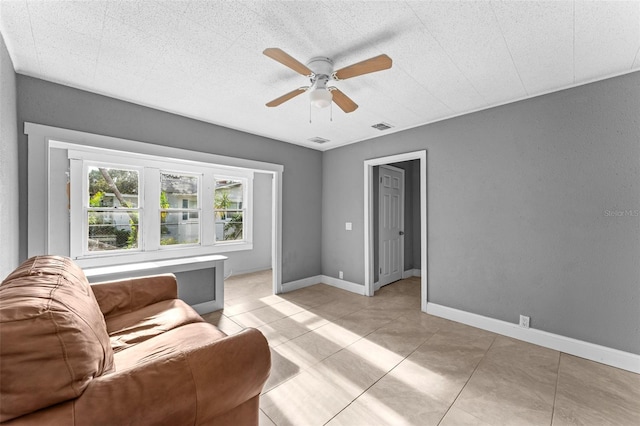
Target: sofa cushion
53, 337
135, 327
166, 345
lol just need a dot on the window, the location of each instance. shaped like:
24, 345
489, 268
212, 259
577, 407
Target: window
179, 214
229, 212
112, 210
163, 209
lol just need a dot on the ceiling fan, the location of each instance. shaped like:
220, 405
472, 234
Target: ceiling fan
320, 71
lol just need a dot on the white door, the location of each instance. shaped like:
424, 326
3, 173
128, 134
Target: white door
391, 224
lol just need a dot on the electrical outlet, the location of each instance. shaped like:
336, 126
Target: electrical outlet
524, 321
340, 275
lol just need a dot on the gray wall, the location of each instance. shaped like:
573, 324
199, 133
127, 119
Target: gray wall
9, 195
61, 106
523, 204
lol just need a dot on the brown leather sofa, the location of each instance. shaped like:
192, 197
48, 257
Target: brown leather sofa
126, 352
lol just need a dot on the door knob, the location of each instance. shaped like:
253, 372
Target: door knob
401, 232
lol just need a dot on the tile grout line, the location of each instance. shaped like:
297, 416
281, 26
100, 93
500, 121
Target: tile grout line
392, 318
384, 375
305, 333
395, 318
467, 382
555, 394
263, 412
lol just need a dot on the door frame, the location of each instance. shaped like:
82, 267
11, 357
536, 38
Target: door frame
368, 219
402, 224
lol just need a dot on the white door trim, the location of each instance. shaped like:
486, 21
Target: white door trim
401, 219
368, 219
276, 232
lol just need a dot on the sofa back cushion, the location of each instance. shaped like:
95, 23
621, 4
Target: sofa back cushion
53, 337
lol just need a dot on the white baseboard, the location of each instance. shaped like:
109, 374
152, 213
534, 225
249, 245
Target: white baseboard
234, 272
344, 285
305, 282
406, 274
324, 279
411, 273
613, 357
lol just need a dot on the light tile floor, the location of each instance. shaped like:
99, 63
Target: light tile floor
343, 359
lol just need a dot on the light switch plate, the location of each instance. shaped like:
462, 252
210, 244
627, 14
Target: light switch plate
348, 226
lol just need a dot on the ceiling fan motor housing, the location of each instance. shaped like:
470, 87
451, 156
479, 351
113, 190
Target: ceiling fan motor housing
322, 68
321, 65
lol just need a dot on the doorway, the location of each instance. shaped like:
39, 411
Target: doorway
369, 223
246, 271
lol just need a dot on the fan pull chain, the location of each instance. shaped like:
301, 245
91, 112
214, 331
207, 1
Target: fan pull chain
309, 112
331, 112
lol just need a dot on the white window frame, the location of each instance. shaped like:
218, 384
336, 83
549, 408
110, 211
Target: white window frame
81, 158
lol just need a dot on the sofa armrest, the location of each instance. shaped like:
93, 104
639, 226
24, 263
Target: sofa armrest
191, 385
127, 295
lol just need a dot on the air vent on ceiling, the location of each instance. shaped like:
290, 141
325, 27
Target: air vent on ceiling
318, 139
382, 126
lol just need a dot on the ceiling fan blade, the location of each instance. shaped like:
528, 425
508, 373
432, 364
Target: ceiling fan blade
284, 98
343, 101
370, 65
287, 60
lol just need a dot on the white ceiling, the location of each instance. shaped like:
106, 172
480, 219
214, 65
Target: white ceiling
203, 59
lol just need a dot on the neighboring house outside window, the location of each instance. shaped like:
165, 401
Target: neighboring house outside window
229, 211
180, 214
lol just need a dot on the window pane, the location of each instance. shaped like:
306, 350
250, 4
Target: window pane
230, 227
112, 230
175, 229
229, 194
178, 191
109, 187
228, 207
182, 225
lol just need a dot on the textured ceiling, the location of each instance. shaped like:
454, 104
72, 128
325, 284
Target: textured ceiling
203, 59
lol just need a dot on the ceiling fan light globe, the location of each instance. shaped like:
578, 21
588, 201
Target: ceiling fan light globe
320, 98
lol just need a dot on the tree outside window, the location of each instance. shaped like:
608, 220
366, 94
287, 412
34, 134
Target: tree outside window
229, 212
113, 209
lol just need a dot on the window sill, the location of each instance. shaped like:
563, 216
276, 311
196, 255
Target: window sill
113, 272
170, 254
